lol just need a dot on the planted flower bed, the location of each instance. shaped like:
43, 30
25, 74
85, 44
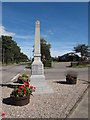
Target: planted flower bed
71, 77
21, 95
23, 78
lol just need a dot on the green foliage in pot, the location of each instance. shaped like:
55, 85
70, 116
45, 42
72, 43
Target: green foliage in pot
23, 78
71, 77
71, 74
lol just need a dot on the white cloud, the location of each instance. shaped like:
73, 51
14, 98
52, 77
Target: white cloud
43, 35
24, 37
50, 32
5, 33
47, 34
27, 50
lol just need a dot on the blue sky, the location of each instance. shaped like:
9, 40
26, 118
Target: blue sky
63, 25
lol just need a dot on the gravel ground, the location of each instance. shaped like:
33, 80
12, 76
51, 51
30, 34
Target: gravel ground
55, 105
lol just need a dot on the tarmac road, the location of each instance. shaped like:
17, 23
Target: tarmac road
8, 72
57, 72
59, 69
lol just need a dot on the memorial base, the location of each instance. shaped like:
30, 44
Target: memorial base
41, 85
37, 77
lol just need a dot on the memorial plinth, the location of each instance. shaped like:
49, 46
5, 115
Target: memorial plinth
37, 70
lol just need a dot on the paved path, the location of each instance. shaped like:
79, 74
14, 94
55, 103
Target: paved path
81, 110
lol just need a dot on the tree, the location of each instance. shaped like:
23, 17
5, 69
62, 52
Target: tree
10, 51
23, 58
55, 59
82, 49
45, 53
88, 54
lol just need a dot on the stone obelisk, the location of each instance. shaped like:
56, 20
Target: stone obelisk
37, 70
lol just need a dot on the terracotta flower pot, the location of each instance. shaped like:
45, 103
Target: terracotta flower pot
71, 80
20, 101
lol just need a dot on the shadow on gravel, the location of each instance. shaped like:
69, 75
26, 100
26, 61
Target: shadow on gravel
8, 101
62, 82
9, 85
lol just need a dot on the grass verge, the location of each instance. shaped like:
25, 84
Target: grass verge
28, 67
81, 66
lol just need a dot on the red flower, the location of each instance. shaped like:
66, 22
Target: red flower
19, 77
34, 90
3, 114
31, 87
26, 84
24, 91
21, 87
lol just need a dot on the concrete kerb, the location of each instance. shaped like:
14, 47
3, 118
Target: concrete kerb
77, 103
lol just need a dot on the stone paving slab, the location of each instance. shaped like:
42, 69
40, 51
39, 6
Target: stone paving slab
41, 87
53, 105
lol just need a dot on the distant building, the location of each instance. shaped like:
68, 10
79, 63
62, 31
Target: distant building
68, 57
